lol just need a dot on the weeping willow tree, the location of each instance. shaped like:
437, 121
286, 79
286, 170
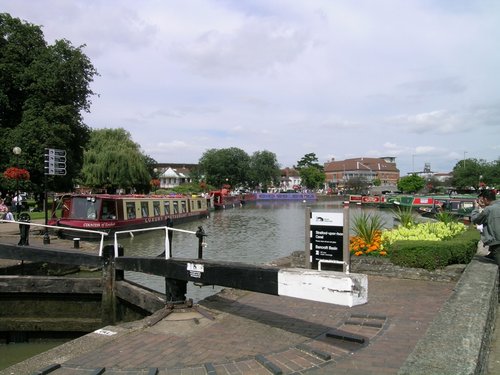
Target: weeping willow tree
113, 161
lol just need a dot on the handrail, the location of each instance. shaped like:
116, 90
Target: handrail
102, 234
167, 241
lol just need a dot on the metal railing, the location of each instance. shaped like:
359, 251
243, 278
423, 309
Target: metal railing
102, 234
200, 234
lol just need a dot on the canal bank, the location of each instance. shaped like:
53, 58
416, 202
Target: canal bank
409, 326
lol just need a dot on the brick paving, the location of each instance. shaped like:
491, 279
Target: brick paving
250, 333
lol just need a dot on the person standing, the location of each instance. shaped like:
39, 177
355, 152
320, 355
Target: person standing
487, 213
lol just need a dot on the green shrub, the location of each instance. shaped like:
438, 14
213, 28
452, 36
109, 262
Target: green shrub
431, 255
367, 226
405, 216
446, 217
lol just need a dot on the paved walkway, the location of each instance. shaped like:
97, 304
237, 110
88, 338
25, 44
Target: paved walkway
238, 332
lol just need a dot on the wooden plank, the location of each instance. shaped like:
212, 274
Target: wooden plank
138, 296
45, 254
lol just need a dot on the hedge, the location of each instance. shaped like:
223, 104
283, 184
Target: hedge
431, 255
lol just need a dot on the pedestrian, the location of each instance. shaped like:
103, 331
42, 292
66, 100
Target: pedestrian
8, 200
3, 209
487, 213
9, 216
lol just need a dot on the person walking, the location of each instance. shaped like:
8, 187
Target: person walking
487, 213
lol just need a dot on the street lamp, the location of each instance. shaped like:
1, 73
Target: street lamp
17, 151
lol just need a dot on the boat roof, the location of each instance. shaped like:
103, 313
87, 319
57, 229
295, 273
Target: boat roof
125, 196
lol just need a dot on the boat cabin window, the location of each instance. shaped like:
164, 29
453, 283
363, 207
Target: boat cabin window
183, 206
130, 210
156, 208
108, 210
166, 206
85, 208
176, 207
198, 204
144, 209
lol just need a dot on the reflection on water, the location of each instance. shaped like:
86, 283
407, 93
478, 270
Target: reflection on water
255, 234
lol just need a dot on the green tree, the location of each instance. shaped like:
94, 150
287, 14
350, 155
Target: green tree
225, 166
43, 90
309, 160
411, 183
310, 172
112, 160
467, 173
357, 185
264, 170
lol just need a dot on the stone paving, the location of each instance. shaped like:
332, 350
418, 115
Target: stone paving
238, 332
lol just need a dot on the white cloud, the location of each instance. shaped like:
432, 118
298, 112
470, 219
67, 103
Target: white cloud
415, 79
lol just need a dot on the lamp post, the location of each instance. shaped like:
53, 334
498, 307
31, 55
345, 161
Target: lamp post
17, 151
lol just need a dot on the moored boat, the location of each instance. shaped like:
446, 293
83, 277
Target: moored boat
377, 200
111, 213
286, 196
222, 199
460, 206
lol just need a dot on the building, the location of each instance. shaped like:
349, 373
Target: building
172, 175
290, 179
339, 172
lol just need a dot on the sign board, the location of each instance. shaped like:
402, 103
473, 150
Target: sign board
55, 162
328, 239
326, 236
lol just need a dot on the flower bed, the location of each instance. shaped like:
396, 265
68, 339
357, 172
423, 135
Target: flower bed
427, 245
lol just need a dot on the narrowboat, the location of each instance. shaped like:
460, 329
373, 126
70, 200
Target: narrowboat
460, 206
286, 196
111, 213
224, 198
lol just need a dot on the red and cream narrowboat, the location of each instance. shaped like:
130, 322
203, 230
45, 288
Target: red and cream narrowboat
111, 213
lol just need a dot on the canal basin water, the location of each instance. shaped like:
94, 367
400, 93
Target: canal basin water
256, 233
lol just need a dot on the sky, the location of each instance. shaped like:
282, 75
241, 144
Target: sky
417, 80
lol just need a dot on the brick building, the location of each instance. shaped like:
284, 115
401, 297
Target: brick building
338, 172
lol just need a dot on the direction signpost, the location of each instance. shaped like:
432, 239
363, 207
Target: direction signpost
55, 162
54, 165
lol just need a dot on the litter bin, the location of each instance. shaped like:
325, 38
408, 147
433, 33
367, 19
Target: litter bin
24, 229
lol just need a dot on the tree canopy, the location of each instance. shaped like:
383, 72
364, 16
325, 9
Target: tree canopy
474, 173
225, 166
112, 160
411, 183
264, 170
311, 172
43, 90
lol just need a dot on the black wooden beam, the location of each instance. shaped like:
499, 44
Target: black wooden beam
260, 279
50, 255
